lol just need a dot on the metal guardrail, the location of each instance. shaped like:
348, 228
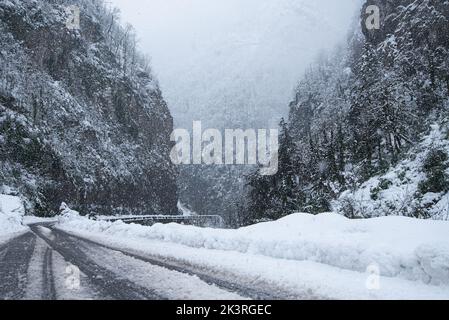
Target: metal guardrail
213, 221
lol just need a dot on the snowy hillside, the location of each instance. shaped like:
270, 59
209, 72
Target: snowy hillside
404, 189
368, 124
82, 118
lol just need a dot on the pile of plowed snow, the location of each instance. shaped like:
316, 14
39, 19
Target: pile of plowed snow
401, 247
11, 214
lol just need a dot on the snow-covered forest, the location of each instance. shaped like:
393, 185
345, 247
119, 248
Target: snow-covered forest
367, 132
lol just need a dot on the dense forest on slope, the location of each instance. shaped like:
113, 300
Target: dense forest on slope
82, 119
368, 131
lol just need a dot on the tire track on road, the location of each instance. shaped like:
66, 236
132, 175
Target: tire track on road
252, 293
101, 278
49, 291
14, 266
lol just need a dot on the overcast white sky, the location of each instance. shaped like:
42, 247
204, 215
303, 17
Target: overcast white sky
201, 49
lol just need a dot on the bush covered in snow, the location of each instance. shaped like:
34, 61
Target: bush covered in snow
67, 215
435, 167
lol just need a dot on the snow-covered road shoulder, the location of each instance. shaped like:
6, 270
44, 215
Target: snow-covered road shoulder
11, 214
406, 252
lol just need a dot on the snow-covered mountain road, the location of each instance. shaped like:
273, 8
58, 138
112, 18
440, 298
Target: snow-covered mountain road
49, 264
299, 257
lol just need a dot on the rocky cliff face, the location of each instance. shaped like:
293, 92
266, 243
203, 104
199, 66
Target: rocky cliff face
82, 119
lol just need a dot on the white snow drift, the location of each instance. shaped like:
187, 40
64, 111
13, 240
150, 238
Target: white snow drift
11, 213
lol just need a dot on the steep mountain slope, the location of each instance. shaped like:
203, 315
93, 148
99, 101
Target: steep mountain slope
368, 111
417, 186
82, 119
